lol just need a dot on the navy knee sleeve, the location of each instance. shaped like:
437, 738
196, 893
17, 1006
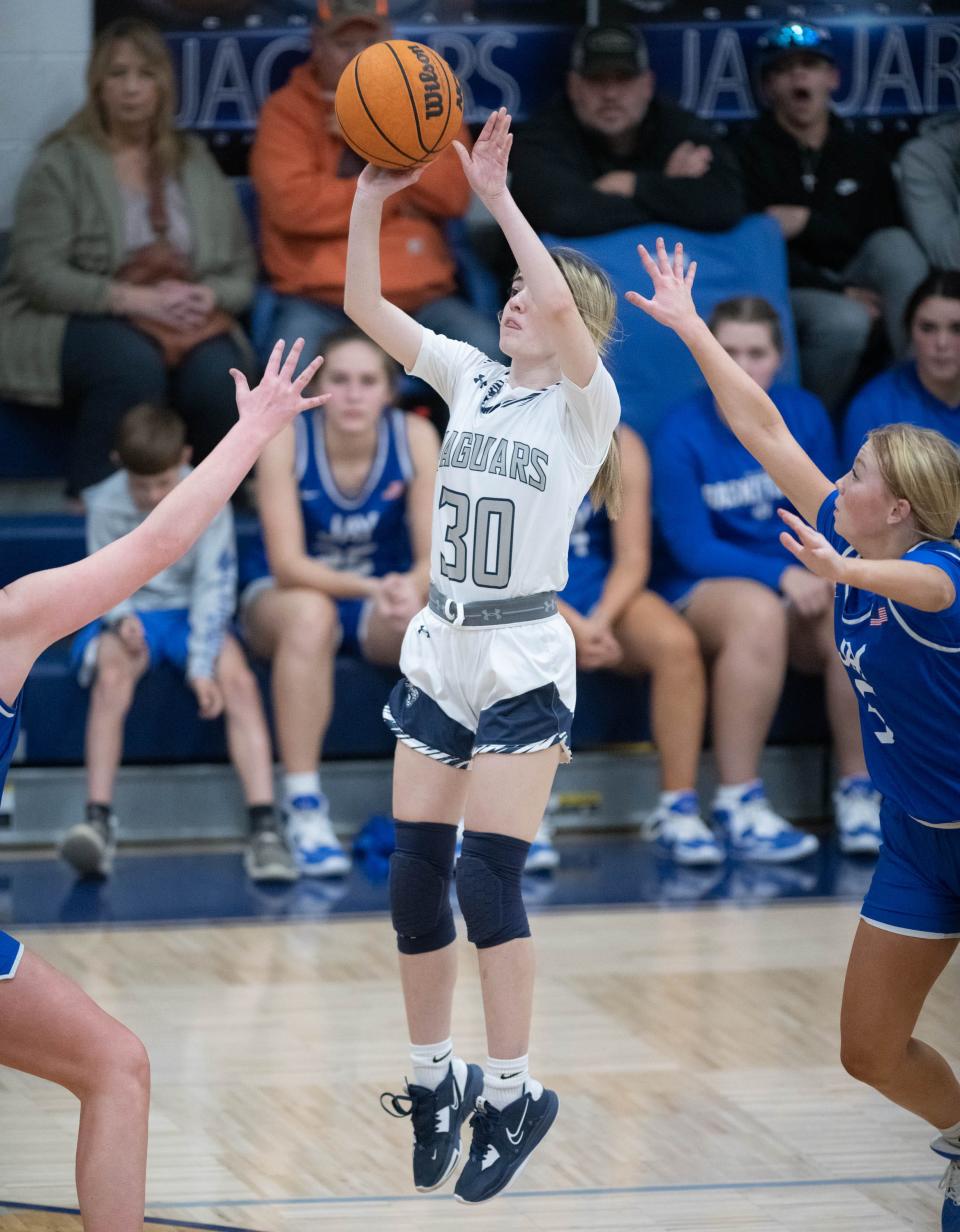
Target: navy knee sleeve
421, 868
488, 888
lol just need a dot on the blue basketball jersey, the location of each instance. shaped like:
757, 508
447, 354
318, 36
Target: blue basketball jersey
364, 532
9, 730
904, 665
588, 558
11, 949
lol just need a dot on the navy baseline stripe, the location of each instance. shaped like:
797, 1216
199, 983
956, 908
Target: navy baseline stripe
600, 1192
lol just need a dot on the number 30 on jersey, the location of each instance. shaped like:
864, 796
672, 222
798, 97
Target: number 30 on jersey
481, 539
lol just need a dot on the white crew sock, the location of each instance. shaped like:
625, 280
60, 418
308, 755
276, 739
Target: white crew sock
729, 795
952, 1134
505, 1081
431, 1062
306, 783
669, 798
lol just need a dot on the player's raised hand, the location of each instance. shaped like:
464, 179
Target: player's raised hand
672, 301
485, 166
278, 398
379, 183
811, 548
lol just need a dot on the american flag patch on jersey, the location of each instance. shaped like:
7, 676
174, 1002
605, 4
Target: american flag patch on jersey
880, 616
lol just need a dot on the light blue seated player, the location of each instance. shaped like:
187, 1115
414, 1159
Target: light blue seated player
886, 537
50, 1027
620, 624
753, 608
924, 390
342, 563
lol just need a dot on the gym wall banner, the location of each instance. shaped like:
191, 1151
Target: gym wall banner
229, 55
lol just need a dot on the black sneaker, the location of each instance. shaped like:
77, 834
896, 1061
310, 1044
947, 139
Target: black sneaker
89, 846
269, 855
503, 1141
437, 1118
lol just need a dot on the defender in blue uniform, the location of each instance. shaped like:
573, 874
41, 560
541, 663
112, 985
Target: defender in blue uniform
886, 536
342, 563
11, 949
48, 1026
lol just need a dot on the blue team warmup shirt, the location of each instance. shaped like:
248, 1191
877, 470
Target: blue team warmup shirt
715, 508
365, 531
896, 396
10, 947
904, 665
589, 557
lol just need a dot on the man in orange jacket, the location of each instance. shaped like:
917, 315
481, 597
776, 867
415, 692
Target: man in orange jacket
306, 175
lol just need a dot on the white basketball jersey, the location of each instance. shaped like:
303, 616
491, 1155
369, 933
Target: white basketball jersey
514, 466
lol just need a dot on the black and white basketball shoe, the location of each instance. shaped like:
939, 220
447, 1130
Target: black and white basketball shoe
503, 1141
437, 1119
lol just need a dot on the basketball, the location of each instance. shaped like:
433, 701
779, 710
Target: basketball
399, 104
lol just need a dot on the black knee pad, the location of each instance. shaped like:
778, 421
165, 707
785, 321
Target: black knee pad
488, 888
421, 868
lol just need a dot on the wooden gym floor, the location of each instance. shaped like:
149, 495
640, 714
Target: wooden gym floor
694, 1052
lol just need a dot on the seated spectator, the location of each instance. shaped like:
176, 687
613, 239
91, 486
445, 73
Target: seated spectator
930, 189
180, 617
832, 193
129, 252
620, 625
612, 153
346, 504
924, 390
752, 607
306, 176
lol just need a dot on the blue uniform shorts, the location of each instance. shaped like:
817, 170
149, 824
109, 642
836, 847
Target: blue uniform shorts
166, 633
916, 885
11, 951
352, 613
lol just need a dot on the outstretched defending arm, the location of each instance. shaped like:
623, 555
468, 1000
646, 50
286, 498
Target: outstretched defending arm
747, 410
39, 609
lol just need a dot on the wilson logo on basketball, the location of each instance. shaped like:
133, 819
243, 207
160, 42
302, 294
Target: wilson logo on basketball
432, 95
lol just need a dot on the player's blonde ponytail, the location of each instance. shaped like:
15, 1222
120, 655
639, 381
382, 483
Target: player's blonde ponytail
922, 467
596, 302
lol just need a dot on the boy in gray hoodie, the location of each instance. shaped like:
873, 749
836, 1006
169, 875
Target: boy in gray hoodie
181, 617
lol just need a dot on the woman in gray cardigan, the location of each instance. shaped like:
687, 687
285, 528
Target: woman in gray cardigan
67, 332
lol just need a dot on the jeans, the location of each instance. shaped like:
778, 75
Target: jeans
833, 330
312, 321
108, 366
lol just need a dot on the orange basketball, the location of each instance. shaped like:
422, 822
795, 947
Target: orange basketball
399, 104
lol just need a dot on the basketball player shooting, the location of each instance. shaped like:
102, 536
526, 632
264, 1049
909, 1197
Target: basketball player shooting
489, 665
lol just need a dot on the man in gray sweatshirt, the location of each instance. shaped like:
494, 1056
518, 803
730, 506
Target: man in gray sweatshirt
930, 189
181, 617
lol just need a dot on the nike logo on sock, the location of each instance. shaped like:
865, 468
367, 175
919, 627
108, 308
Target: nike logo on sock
442, 1057
515, 1074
